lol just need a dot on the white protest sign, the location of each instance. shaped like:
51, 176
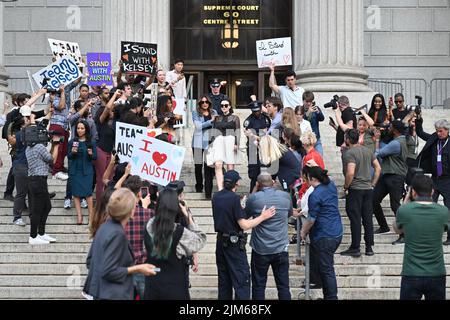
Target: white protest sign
63, 71
127, 136
62, 48
157, 161
179, 108
274, 51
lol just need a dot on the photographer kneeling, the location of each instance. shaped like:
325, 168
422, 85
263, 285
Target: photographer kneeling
40, 161
422, 222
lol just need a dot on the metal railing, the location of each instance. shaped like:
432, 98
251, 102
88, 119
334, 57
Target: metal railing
410, 87
439, 91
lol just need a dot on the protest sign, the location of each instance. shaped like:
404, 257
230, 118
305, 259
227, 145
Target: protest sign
274, 51
63, 71
179, 108
99, 69
127, 136
62, 48
157, 161
139, 58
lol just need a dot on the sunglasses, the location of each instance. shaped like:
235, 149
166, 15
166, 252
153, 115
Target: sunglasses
225, 105
204, 102
398, 101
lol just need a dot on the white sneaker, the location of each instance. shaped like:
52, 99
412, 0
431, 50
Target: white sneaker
46, 237
37, 241
20, 223
84, 204
61, 176
67, 204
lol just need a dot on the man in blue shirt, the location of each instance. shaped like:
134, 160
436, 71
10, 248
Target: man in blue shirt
270, 240
230, 222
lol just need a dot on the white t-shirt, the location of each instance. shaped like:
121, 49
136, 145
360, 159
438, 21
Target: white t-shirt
304, 201
305, 126
291, 99
179, 88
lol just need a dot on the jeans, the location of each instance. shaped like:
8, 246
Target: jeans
280, 267
442, 187
233, 272
324, 250
139, 284
10, 181
413, 288
200, 165
358, 205
62, 150
20, 172
40, 205
318, 147
393, 185
103, 159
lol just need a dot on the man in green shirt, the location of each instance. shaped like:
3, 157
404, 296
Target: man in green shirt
422, 223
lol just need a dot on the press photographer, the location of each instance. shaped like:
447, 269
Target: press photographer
435, 159
40, 161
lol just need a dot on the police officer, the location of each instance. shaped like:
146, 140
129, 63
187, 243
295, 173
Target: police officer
255, 122
230, 221
217, 97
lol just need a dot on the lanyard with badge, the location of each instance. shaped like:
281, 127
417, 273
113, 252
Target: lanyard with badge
439, 157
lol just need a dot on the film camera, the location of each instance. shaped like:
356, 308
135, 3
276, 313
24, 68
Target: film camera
417, 108
34, 135
333, 103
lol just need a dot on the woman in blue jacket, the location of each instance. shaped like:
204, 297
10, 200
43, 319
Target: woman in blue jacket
203, 118
82, 152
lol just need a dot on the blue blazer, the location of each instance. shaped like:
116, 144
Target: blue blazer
81, 162
108, 261
200, 139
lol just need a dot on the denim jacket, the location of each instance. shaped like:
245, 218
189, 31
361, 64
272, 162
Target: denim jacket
201, 138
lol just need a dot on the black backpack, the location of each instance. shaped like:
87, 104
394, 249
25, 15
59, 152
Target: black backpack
10, 117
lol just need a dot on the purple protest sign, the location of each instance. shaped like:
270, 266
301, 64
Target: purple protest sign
99, 68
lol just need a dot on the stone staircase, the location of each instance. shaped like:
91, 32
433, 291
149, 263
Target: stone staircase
57, 271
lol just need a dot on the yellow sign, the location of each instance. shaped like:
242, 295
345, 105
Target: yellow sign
226, 13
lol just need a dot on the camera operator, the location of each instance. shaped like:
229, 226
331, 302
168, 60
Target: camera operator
422, 223
393, 173
40, 161
19, 164
435, 159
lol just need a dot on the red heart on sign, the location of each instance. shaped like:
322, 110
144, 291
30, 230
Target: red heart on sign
287, 58
152, 134
159, 158
125, 57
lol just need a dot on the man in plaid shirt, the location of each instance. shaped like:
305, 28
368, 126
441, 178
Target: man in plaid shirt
135, 229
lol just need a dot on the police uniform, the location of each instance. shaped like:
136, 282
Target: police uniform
255, 124
232, 266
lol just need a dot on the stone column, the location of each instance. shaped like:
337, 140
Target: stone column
328, 50
3, 75
140, 21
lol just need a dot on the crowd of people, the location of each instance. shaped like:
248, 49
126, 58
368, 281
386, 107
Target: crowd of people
145, 238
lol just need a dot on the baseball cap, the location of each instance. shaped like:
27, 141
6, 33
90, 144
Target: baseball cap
255, 106
25, 111
215, 83
232, 176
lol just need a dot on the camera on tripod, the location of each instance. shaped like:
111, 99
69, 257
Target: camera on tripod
333, 103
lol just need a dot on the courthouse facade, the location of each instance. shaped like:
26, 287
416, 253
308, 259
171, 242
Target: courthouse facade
338, 45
